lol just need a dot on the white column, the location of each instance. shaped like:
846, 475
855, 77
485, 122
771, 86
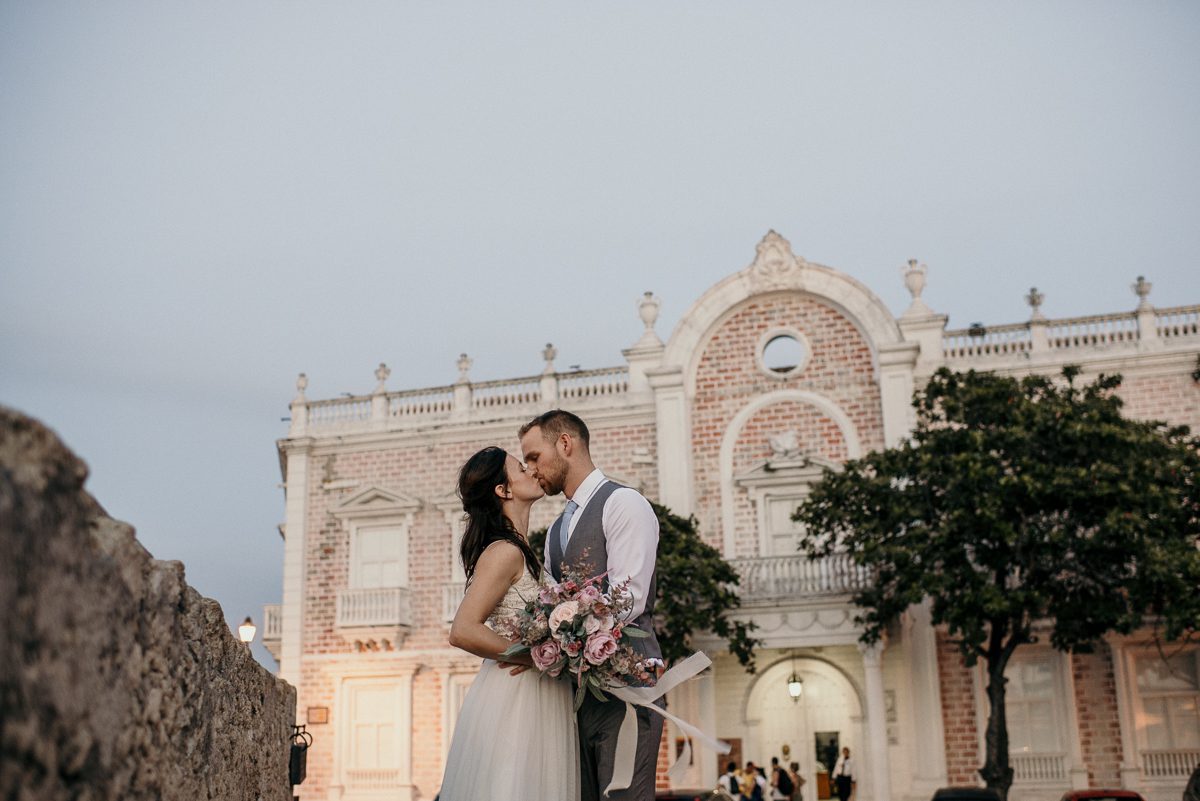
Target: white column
1123, 670
706, 690
877, 746
291, 646
674, 442
896, 364
929, 746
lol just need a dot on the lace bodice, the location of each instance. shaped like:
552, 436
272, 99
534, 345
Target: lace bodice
514, 600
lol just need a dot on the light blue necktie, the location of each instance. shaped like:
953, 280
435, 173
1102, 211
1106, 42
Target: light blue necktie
568, 513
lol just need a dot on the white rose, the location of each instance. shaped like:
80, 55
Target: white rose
563, 613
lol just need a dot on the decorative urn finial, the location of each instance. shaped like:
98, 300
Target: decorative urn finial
1142, 290
464, 366
381, 375
914, 281
301, 385
549, 353
1035, 300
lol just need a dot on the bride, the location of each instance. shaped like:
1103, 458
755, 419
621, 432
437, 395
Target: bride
515, 739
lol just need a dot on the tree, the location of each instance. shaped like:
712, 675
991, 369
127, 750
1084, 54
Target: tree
1019, 506
695, 590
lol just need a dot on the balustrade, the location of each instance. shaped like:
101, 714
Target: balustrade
1091, 331
272, 622
377, 606
372, 778
517, 392
1038, 768
1000, 340
594, 383
1180, 321
772, 578
421, 403
452, 595
339, 412
1177, 763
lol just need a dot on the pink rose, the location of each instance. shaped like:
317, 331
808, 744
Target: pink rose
594, 623
544, 655
547, 595
600, 646
573, 648
589, 595
563, 613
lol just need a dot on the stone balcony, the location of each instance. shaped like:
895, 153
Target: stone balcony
273, 628
772, 580
374, 619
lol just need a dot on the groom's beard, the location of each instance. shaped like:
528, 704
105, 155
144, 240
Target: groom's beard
554, 480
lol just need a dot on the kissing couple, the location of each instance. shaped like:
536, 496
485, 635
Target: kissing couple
517, 738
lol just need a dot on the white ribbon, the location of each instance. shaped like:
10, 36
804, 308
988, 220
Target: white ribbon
645, 697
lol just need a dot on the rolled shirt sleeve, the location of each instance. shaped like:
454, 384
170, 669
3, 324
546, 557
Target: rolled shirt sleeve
631, 533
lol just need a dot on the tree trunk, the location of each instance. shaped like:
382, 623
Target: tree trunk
996, 770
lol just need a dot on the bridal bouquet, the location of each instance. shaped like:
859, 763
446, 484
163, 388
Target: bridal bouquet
575, 625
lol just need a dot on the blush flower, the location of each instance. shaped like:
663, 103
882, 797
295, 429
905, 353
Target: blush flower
589, 595
545, 654
600, 646
563, 613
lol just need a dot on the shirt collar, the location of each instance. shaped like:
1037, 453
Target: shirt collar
587, 488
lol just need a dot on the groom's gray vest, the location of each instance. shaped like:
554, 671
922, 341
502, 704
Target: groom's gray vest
587, 551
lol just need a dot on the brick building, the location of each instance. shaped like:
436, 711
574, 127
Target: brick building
776, 371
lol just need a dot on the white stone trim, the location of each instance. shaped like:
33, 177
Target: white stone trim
291, 646
770, 336
725, 460
853, 299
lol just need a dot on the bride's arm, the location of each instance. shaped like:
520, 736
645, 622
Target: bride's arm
498, 568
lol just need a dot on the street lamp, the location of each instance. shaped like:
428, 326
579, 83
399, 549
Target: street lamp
795, 683
247, 630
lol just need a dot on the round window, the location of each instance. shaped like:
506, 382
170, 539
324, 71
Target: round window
783, 354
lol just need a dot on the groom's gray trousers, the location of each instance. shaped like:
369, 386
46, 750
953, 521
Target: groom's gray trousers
599, 724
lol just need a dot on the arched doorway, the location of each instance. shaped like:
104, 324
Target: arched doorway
828, 714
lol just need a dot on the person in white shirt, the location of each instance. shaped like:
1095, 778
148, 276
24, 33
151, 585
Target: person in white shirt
843, 776
729, 781
611, 530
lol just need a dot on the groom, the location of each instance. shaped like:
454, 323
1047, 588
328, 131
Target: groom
605, 527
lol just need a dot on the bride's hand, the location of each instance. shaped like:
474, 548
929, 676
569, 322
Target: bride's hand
518, 664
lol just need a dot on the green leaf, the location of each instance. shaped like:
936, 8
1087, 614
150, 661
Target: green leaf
1015, 501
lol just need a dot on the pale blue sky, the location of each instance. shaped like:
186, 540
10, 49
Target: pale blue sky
201, 200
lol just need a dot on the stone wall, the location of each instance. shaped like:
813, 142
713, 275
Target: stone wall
117, 679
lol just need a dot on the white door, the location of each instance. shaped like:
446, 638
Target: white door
373, 734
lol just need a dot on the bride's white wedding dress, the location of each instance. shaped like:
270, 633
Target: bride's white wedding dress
515, 739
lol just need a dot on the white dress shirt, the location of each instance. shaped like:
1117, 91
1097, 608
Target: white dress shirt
630, 534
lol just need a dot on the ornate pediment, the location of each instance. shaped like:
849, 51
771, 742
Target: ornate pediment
376, 501
786, 467
775, 266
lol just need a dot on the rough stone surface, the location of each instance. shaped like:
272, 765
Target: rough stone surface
117, 679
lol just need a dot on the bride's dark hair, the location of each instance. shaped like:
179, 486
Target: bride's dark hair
486, 521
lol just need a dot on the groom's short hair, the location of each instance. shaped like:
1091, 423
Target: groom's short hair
557, 422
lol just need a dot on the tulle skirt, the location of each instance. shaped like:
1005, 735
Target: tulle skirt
515, 740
